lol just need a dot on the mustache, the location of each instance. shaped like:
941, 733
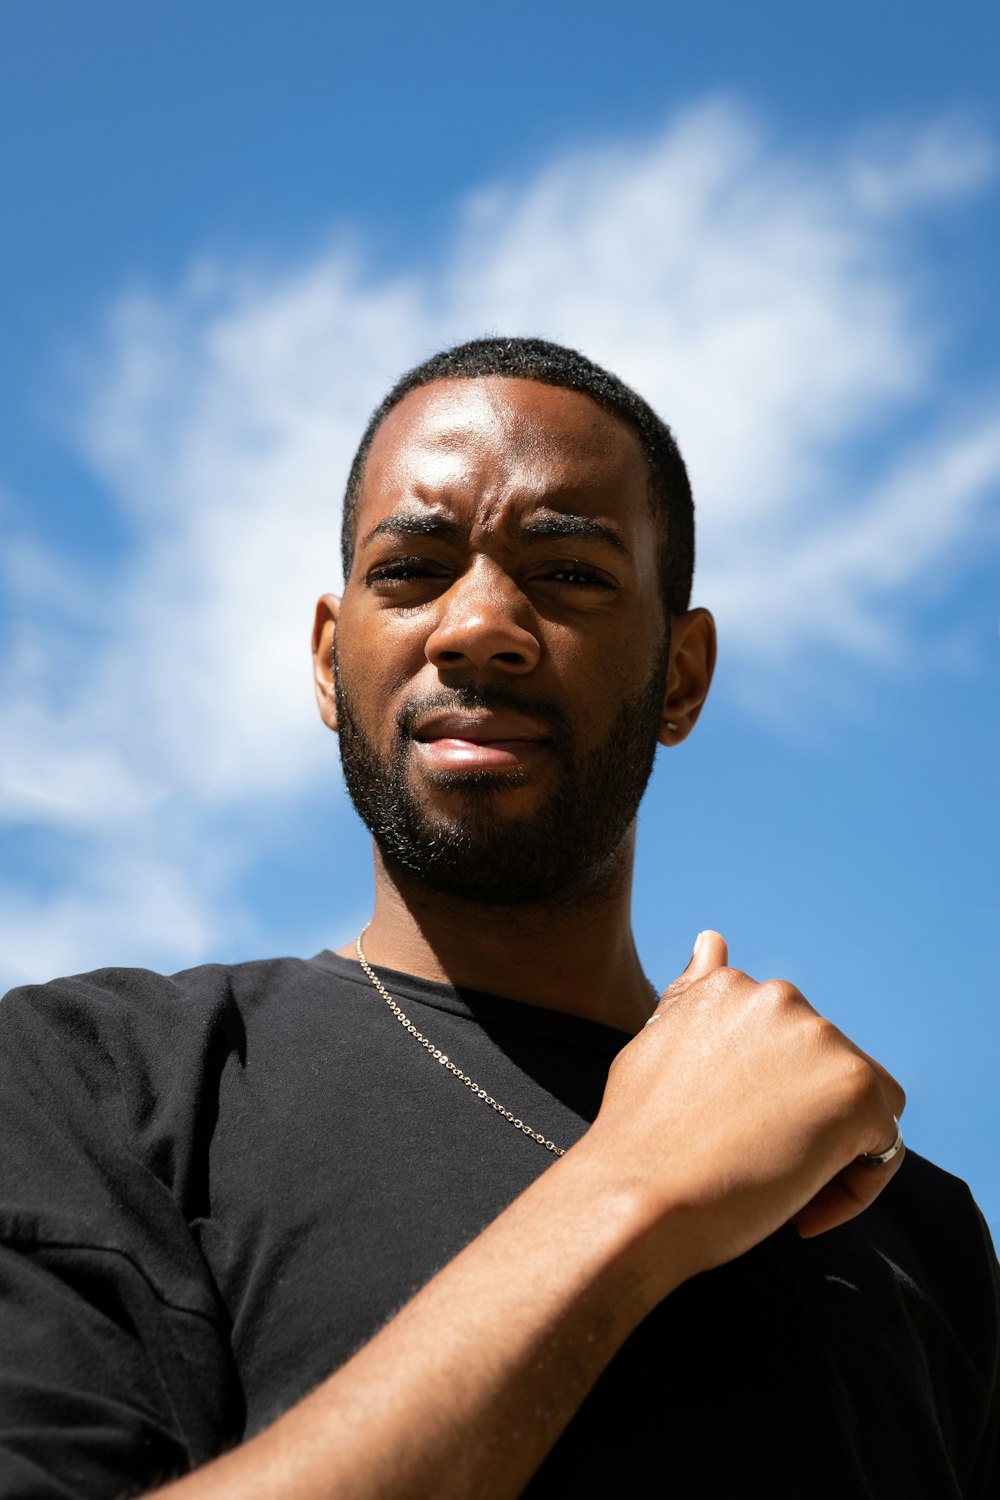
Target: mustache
488, 700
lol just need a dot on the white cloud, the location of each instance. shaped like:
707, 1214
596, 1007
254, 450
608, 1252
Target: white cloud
139, 908
889, 171
846, 581
765, 301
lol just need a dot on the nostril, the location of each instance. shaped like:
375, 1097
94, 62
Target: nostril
481, 638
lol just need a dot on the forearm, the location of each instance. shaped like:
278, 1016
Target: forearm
467, 1388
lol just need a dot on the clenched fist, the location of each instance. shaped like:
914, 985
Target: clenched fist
738, 1109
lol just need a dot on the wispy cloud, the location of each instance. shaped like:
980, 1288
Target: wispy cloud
770, 302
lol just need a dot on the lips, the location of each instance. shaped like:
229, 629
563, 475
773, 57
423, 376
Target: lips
479, 740
479, 727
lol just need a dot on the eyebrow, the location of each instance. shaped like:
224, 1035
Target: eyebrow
559, 523
410, 523
542, 527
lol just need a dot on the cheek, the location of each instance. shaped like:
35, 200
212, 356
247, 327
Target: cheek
609, 669
376, 659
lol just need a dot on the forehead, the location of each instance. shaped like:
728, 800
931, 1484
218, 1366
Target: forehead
501, 441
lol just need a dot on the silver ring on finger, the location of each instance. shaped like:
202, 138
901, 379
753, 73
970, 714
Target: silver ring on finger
879, 1158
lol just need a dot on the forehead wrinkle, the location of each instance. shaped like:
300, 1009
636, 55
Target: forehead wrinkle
475, 448
545, 524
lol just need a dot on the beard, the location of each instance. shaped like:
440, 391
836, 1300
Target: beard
569, 849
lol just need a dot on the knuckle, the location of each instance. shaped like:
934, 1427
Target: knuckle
827, 1033
721, 981
780, 994
894, 1092
896, 1100
857, 1080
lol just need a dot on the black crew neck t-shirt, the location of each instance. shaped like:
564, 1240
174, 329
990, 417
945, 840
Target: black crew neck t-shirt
216, 1186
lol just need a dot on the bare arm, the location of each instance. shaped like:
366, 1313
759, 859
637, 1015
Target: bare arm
738, 1110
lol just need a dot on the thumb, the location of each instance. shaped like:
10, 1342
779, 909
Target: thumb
710, 952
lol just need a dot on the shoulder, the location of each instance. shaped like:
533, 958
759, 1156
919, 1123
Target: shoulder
939, 1269
144, 1036
911, 1288
936, 1211
124, 1044
928, 1228
948, 1244
108, 1003
946, 1274
109, 1082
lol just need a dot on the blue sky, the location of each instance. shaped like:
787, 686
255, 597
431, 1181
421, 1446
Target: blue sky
228, 227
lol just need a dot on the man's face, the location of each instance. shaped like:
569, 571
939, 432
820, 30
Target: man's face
501, 651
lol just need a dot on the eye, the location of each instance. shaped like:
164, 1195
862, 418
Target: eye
576, 574
399, 571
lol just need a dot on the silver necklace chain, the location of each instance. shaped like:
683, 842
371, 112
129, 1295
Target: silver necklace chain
445, 1061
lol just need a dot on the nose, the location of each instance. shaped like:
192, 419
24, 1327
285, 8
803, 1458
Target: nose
484, 620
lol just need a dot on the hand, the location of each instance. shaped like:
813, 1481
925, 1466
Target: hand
740, 1109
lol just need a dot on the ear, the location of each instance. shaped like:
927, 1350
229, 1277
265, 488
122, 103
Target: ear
322, 649
689, 675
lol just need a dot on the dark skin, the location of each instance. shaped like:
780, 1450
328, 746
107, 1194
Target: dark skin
552, 1288
514, 588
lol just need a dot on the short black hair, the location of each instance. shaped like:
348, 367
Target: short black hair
554, 364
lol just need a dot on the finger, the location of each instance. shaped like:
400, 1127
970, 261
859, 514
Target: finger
849, 1194
710, 952
893, 1091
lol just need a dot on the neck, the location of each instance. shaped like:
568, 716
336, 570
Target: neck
577, 957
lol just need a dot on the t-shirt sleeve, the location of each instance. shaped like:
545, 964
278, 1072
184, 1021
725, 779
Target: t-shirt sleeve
115, 1371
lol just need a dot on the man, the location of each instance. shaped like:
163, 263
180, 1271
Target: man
463, 1210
